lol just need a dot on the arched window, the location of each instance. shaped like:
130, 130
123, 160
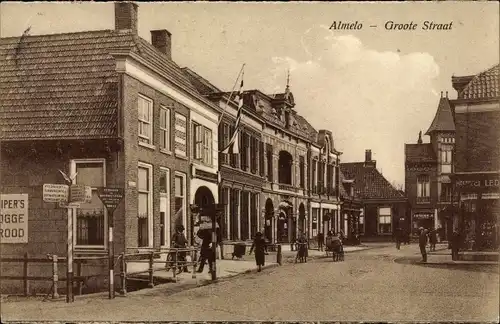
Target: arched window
285, 168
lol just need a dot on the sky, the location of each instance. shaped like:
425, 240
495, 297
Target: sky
373, 88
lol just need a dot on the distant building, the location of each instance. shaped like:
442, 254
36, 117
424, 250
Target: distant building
477, 158
351, 211
384, 207
427, 173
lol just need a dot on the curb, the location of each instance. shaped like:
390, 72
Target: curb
201, 283
406, 260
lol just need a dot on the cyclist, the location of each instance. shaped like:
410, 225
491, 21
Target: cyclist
179, 241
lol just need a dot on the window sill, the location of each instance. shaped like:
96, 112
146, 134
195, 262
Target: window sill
182, 157
165, 151
148, 146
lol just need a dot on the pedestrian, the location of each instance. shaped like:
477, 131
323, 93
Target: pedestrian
422, 242
260, 246
301, 249
398, 233
179, 241
455, 245
433, 239
321, 238
206, 253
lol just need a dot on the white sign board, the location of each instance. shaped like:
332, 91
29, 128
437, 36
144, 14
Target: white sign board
14, 218
70, 205
80, 193
55, 192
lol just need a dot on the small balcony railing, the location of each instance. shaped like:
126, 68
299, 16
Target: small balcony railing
288, 187
423, 200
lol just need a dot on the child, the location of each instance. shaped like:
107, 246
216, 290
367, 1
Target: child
259, 244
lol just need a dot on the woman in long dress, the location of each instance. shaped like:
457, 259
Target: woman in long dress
259, 244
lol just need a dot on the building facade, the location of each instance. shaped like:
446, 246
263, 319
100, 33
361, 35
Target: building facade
384, 207
428, 167
116, 111
477, 158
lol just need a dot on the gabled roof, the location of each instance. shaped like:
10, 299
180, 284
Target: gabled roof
369, 183
420, 153
64, 86
443, 120
484, 85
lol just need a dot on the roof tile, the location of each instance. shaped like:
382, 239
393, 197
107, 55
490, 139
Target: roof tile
369, 183
484, 85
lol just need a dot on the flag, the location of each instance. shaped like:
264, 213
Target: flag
233, 145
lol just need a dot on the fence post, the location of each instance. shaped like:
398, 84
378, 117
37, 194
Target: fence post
175, 265
79, 274
25, 275
55, 277
279, 255
151, 263
123, 275
194, 261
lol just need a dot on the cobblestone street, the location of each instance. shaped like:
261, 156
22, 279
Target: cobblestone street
367, 286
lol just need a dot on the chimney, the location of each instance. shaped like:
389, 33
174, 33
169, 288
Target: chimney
126, 16
419, 141
446, 94
368, 155
369, 163
162, 40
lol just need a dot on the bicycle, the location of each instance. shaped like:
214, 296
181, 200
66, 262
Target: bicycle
169, 264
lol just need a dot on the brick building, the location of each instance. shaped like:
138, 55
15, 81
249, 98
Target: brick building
477, 158
241, 175
117, 111
384, 207
428, 167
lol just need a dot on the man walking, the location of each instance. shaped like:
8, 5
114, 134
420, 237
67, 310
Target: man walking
321, 238
455, 245
398, 235
422, 242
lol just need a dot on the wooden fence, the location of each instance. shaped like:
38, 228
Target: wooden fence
54, 259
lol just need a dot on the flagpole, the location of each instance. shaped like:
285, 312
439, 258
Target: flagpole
242, 72
219, 180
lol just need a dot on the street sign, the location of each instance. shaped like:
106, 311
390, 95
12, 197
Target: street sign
80, 193
110, 197
70, 205
55, 192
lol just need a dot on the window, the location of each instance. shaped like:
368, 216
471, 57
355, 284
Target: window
145, 116
145, 205
361, 227
269, 149
384, 220
180, 199
91, 218
224, 140
445, 192
254, 153
165, 227
314, 225
314, 176
244, 151
202, 146
423, 188
285, 168
180, 134
164, 128
446, 157
301, 171
261, 158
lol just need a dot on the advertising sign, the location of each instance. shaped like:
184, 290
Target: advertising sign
14, 218
80, 193
477, 182
55, 192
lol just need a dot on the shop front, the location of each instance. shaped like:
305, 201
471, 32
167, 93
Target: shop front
422, 218
478, 213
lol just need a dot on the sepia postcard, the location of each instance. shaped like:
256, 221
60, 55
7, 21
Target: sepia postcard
249, 161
